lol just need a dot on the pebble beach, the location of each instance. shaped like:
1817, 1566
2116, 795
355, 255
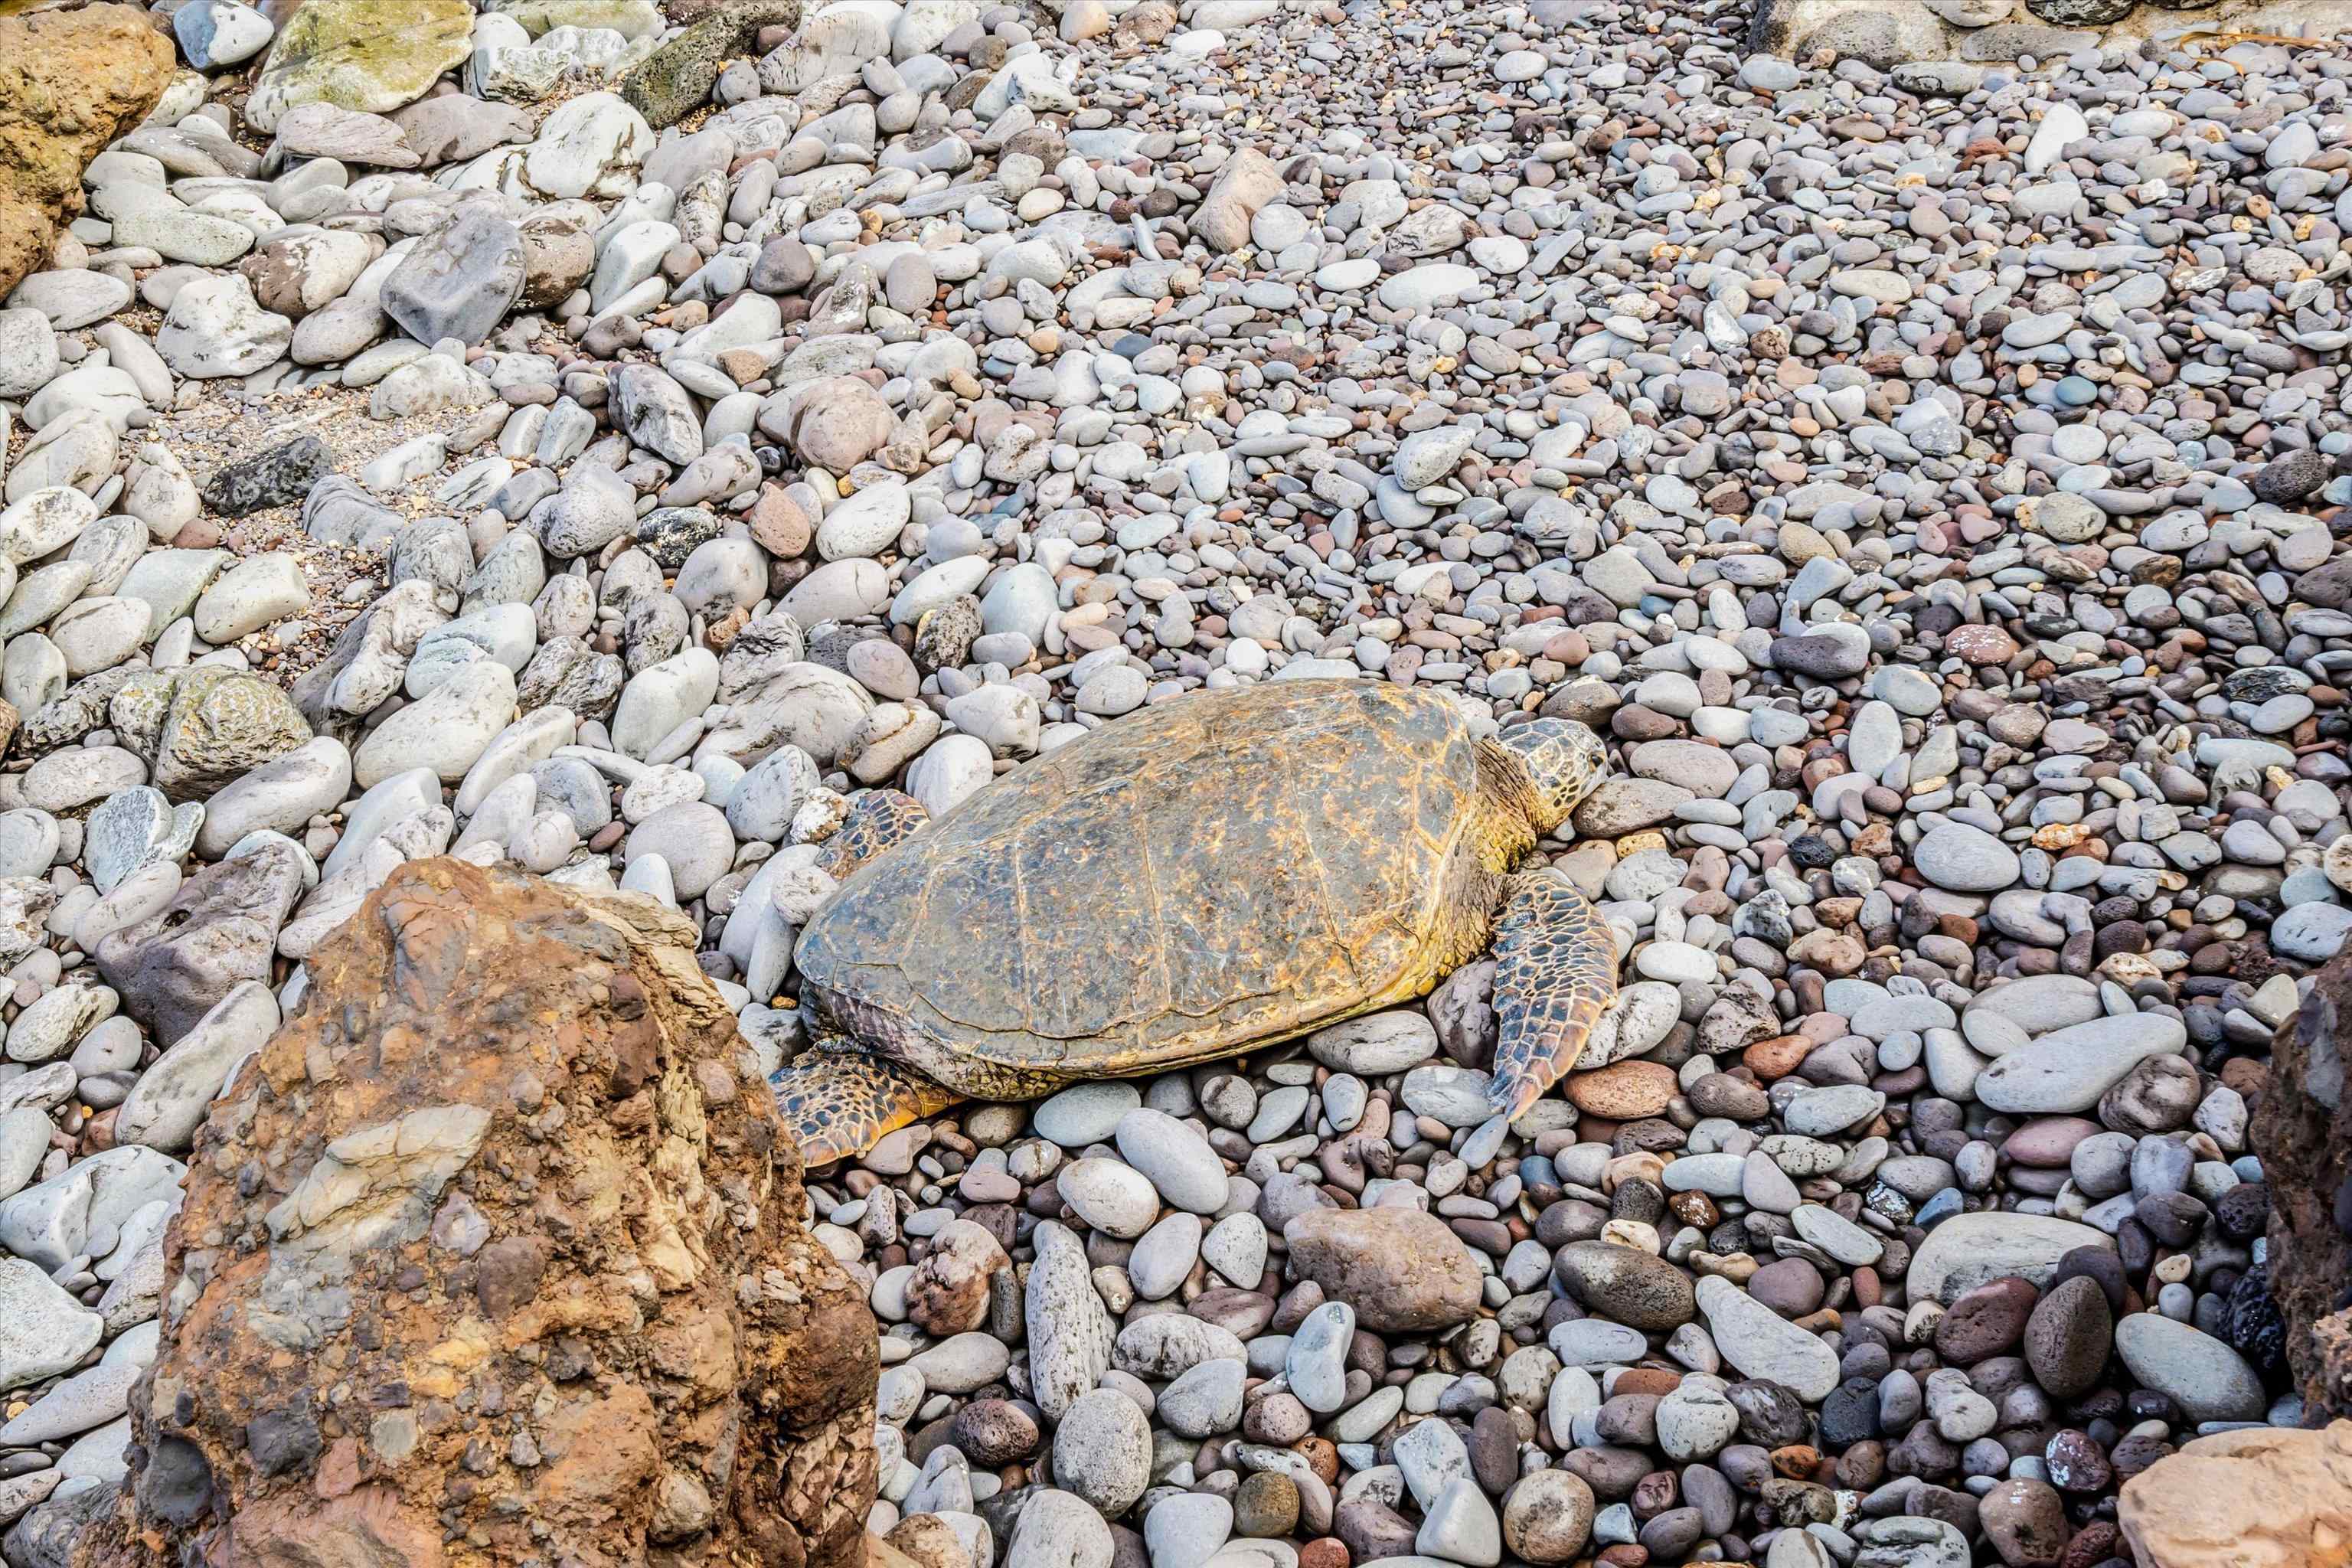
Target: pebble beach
1932, 479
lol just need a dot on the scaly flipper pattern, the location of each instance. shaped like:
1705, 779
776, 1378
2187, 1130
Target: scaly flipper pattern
1555, 970
836, 1104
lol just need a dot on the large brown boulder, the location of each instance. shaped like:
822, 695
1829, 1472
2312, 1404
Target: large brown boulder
492, 1256
70, 82
2303, 1130
2259, 1498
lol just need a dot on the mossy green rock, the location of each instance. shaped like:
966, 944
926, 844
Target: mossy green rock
221, 726
368, 54
138, 708
675, 79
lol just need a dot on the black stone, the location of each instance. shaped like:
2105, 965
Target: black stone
1819, 656
1639, 1201
1811, 851
2291, 477
177, 1485
2134, 1248
2174, 1219
2262, 682
671, 533
2102, 1266
280, 477
1850, 1414
283, 1440
2252, 1323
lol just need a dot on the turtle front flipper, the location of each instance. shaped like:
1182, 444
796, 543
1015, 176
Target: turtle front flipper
1555, 970
838, 1104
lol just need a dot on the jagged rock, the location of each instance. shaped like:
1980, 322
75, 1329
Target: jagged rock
220, 726
2303, 1130
501, 1161
2259, 1498
280, 476
675, 79
70, 82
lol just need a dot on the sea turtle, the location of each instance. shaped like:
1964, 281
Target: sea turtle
1194, 880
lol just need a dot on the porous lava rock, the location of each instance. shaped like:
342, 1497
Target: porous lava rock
2303, 1130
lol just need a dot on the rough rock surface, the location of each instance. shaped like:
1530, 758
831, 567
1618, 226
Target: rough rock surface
370, 56
2263, 1497
675, 79
1400, 1268
1934, 483
494, 1239
2302, 1129
69, 83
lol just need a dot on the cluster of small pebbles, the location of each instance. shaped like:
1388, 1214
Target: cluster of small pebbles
1930, 480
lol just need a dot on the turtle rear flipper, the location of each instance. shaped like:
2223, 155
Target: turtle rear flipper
837, 1104
1555, 971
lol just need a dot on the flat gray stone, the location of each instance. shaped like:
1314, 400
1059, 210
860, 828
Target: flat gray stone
1761, 1343
2205, 1377
2066, 1070
1968, 1249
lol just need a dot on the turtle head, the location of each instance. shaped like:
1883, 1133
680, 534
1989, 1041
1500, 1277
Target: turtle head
1563, 759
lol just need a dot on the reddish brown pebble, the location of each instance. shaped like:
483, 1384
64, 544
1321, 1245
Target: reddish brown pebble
1323, 1552
1657, 1380
1776, 1058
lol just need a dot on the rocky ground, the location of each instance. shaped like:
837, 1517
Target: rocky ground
1931, 480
